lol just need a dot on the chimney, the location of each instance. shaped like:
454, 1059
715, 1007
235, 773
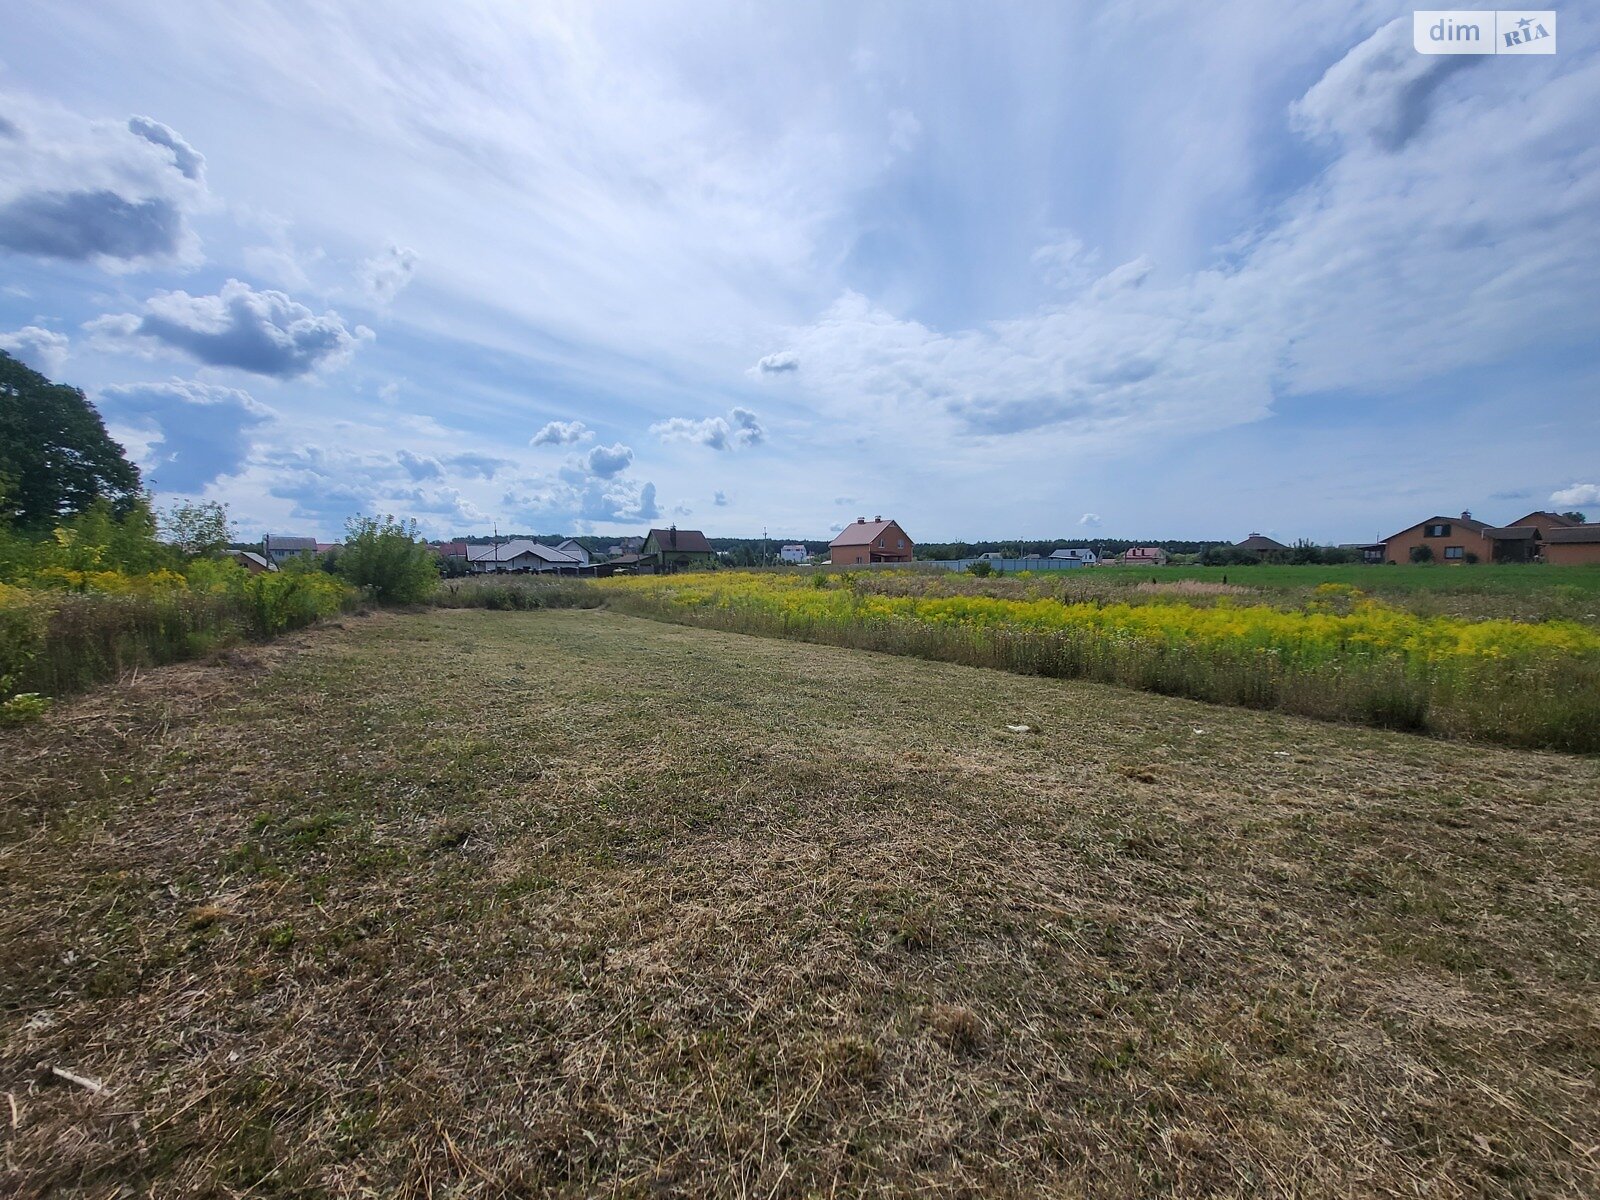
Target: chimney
1466, 514
879, 518
861, 520
672, 536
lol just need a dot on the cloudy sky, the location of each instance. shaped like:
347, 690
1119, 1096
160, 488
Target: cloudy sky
1141, 269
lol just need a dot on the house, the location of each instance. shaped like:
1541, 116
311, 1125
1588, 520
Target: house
627, 545
574, 549
874, 541
1465, 539
451, 550
793, 553
251, 561
1547, 522
277, 548
519, 554
1260, 544
673, 549
1081, 554
1572, 544
1144, 556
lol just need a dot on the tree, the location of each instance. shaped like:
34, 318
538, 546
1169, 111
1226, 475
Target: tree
1575, 516
201, 528
388, 560
55, 456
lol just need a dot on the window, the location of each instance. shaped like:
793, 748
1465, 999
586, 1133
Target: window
1436, 531
1453, 552
880, 543
902, 543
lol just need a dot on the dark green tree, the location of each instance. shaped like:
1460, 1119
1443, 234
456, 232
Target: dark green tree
1575, 516
56, 458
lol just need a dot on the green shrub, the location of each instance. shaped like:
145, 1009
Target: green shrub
388, 561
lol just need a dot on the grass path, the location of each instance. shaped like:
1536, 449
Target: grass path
466, 903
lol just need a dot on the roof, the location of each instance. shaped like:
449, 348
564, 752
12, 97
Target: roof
1553, 518
281, 541
863, 533
1465, 522
1511, 533
689, 541
516, 549
452, 549
1079, 552
1260, 542
1144, 551
626, 560
794, 546
253, 557
1576, 534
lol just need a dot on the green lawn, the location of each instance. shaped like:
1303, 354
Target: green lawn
469, 903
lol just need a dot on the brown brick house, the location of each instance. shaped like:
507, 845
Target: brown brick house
1462, 539
1572, 544
874, 541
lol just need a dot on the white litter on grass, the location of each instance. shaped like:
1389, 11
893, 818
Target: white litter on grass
1020, 728
1281, 754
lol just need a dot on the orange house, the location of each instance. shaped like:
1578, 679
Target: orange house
1572, 545
874, 541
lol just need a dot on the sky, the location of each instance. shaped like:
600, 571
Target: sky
1135, 270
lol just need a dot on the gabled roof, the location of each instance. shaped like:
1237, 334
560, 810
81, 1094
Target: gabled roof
1553, 518
252, 556
1575, 534
1078, 552
1467, 523
1260, 543
506, 551
689, 541
864, 533
281, 541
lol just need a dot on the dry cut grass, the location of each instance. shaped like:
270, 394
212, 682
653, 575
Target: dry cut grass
568, 903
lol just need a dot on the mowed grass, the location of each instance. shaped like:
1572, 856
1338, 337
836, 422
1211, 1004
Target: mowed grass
569, 903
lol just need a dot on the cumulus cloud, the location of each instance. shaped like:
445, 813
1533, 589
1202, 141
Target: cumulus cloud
1090, 520
561, 433
190, 162
1380, 92
566, 502
385, 274
477, 466
720, 499
200, 432
265, 332
607, 461
419, 466
740, 428
1578, 493
44, 350
118, 194
775, 364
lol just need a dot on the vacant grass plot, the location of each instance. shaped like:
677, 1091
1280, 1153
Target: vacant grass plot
564, 902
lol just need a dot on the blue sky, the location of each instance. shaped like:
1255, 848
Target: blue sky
1124, 270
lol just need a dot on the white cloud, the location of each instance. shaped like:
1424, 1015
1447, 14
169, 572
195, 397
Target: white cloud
44, 350
200, 431
604, 462
385, 274
1578, 493
1090, 520
561, 433
776, 364
115, 193
265, 332
740, 428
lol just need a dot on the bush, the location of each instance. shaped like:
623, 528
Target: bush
281, 600
1422, 554
388, 560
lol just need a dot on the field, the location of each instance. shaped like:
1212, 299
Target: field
468, 903
1330, 650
